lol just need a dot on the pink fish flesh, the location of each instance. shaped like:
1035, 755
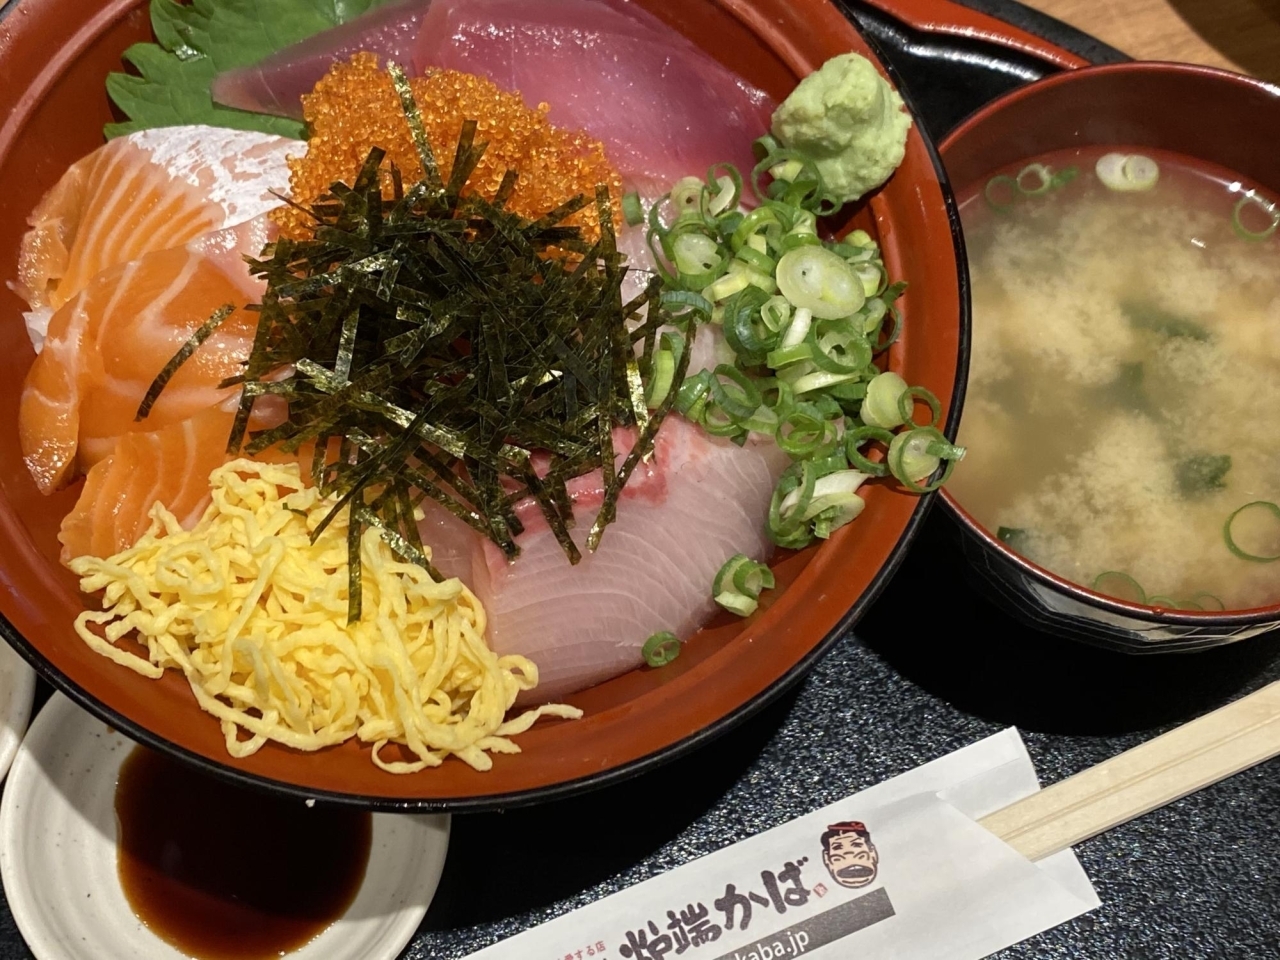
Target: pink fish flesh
663, 108
699, 502
276, 84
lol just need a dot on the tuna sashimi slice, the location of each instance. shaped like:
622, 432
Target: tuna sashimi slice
662, 107
108, 343
148, 191
700, 501
276, 85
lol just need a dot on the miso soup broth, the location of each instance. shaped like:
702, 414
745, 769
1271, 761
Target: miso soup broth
1124, 394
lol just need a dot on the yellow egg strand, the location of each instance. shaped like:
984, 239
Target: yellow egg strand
255, 616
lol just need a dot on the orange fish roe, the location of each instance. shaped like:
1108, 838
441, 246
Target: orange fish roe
355, 107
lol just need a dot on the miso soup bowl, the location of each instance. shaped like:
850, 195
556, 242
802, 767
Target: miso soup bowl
1203, 113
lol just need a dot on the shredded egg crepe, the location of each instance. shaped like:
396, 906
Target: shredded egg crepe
255, 616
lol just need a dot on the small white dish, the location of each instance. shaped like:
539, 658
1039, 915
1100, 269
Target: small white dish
17, 694
58, 857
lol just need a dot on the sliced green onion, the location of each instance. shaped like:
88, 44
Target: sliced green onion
693, 395
776, 314
803, 431
1127, 173
855, 438
695, 253
916, 454
1254, 509
740, 397
661, 649
1203, 600
1113, 583
661, 375
817, 279
728, 189
687, 196
820, 380
995, 186
761, 218
1064, 176
1016, 539
632, 210
906, 405
883, 406
739, 583
735, 281
1163, 603
1044, 179
1253, 199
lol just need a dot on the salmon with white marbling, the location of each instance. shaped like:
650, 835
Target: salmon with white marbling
108, 343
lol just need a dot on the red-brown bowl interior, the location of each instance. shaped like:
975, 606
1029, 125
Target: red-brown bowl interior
54, 56
1201, 112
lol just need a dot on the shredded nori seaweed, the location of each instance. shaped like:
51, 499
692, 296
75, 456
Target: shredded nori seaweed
439, 345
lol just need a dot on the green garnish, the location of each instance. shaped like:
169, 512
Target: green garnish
1256, 510
1127, 390
1146, 316
1004, 192
738, 585
1252, 200
1016, 539
1202, 474
1120, 585
1203, 601
661, 648
1123, 587
806, 319
196, 41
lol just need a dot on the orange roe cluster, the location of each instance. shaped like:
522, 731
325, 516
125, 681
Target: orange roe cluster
354, 108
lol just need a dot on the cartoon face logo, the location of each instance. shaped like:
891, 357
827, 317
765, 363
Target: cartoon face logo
849, 854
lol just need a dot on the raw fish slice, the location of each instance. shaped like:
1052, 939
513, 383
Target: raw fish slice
148, 191
276, 85
170, 465
108, 343
662, 107
700, 501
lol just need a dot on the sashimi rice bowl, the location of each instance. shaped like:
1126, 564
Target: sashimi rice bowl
461, 401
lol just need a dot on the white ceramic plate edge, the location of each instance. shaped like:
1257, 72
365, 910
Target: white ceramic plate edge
58, 857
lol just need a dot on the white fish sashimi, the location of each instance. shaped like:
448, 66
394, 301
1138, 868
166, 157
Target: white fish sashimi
702, 500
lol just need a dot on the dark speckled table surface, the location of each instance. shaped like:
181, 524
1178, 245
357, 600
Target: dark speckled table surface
1197, 879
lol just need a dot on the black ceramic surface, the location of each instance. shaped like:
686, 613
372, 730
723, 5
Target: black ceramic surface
1198, 879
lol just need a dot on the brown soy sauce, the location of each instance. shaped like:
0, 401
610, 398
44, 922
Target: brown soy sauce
224, 873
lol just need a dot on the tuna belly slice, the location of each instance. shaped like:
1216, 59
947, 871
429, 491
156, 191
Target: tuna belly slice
703, 500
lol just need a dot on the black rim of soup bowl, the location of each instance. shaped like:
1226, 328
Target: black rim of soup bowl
1030, 592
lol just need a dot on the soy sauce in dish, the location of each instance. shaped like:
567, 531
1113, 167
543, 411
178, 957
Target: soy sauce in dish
224, 873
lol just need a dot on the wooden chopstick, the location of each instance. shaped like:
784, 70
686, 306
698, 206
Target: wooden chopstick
1182, 761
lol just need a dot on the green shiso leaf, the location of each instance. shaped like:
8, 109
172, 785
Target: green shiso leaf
196, 41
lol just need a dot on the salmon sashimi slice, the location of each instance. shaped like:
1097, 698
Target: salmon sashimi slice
108, 344
148, 191
700, 501
171, 466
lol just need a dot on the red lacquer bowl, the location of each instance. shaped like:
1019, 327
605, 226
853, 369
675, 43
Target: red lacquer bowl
54, 57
